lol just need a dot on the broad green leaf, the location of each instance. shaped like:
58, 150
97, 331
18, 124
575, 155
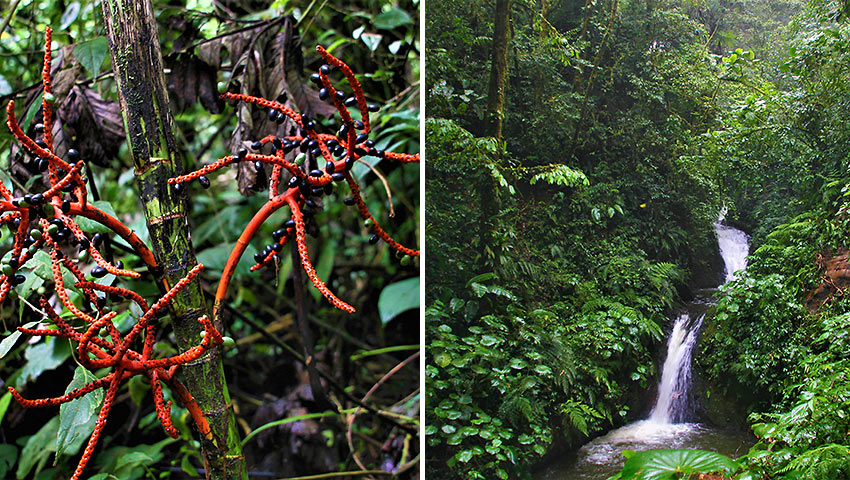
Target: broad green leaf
8, 457
91, 54
9, 341
215, 258
132, 459
43, 356
391, 19
138, 389
672, 464
90, 226
72, 11
398, 297
38, 449
77, 417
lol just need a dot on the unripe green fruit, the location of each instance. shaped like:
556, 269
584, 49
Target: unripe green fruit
228, 343
368, 222
49, 98
405, 260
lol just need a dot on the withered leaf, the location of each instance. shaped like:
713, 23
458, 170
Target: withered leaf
93, 125
192, 79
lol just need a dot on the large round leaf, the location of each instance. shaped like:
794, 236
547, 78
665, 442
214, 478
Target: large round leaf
675, 464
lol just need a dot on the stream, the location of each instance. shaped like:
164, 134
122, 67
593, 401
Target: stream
671, 422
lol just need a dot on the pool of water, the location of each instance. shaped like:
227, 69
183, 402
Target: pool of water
602, 457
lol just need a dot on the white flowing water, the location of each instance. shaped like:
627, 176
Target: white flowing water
667, 424
672, 403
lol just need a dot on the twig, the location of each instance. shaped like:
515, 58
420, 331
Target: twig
9, 18
384, 181
360, 473
325, 2
394, 348
266, 23
296, 418
372, 390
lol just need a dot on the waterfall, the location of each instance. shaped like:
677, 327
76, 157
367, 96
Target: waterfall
666, 426
734, 246
672, 405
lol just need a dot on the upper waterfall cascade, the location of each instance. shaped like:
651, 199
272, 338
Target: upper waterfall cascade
672, 403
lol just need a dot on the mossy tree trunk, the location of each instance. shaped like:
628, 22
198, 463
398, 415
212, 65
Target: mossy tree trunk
498, 70
137, 63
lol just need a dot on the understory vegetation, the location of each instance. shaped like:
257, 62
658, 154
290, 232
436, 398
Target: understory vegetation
560, 241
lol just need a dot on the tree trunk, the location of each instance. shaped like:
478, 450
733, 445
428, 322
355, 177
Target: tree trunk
498, 71
137, 63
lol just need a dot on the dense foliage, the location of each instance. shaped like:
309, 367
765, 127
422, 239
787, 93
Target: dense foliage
778, 340
558, 249
657, 113
288, 427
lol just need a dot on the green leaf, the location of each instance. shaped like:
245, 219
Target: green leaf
90, 226
77, 417
391, 19
674, 464
133, 459
398, 297
91, 54
43, 356
4, 405
215, 258
481, 278
323, 266
372, 40
9, 341
38, 449
8, 456
138, 389
72, 11
465, 456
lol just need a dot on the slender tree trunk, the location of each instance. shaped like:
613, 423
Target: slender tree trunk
137, 62
498, 70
